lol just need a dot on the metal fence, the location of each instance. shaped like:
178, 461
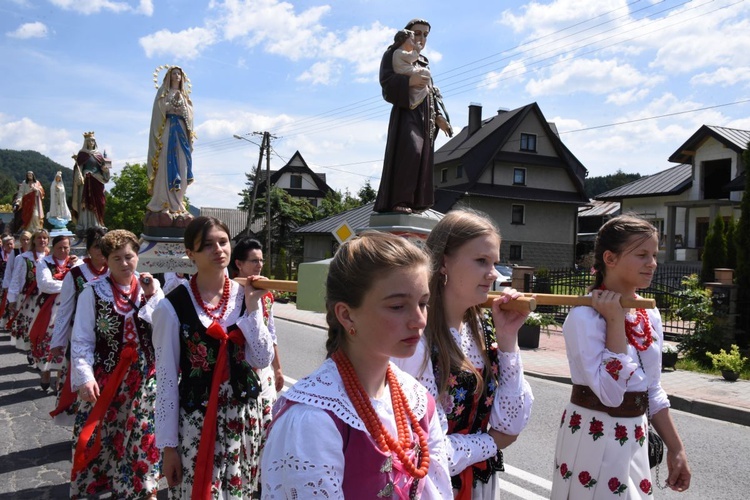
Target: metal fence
664, 287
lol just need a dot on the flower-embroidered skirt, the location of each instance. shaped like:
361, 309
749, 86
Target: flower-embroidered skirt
236, 453
27, 311
267, 397
599, 456
68, 417
129, 464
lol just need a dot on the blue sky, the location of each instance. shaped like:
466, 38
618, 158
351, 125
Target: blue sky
625, 82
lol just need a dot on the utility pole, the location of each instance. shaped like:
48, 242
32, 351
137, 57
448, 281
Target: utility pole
265, 147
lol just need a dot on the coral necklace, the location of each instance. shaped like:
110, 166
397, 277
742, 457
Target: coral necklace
123, 302
94, 271
208, 308
632, 334
401, 411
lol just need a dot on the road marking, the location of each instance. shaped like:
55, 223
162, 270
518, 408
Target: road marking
528, 477
290, 381
519, 492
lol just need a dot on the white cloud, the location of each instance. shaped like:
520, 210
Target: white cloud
541, 18
589, 75
724, 77
320, 73
29, 30
145, 7
627, 97
26, 134
185, 44
510, 74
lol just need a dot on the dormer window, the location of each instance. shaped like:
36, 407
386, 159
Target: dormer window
295, 181
528, 142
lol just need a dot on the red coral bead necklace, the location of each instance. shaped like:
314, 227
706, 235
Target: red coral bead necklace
402, 413
209, 309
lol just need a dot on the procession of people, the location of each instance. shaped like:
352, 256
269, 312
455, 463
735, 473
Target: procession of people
422, 386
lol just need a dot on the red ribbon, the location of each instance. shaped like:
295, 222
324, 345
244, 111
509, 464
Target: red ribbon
39, 327
3, 302
204, 465
83, 455
67, 396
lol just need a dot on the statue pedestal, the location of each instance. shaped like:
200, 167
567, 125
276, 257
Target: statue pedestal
163, 254
312, 275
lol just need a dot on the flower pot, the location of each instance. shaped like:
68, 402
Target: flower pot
528, 336
668, 360
730, 375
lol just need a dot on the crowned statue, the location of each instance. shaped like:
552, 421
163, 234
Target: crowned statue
90, 173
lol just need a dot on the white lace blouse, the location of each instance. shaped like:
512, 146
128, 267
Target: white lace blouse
67, 298
19, 274
83, 339
303, 455
166, 328
511, 407
610, 375
8, 268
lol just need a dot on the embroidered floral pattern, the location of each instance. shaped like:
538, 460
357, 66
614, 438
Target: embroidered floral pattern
645, 486
616, 487
201, 358
564, 472
586, 480
621, 434
613, 367
596, 428
575, 422
640, 434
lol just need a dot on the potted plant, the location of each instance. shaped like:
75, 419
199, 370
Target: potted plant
528, 334
668, 356
730, 364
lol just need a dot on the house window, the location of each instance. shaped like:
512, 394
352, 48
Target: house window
459, 171
528, 142
519, 176
516, 252
444, 175
517, 214
295, 182
313, 201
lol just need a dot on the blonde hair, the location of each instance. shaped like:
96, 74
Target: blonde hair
447, 238
357, 264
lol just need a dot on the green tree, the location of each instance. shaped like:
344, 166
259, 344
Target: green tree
336, 202
8, 188
127, 200
366, 193
729, 232
598, 185
715, 250
742, 240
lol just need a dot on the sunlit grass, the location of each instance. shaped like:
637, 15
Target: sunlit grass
691, 365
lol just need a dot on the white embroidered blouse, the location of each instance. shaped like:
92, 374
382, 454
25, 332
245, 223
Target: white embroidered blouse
83, 340
67, 298
609, 374
511, 407
303, 455
19, 274
166, 328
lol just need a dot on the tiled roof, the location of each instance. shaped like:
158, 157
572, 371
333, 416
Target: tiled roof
235, 219
672, 181
357, 218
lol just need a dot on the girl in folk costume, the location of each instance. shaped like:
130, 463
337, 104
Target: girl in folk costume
247, 257
358, 427
50, 273
23, 291
7, 253
210, 337
113, 371
469, 359
94, 268
615, 365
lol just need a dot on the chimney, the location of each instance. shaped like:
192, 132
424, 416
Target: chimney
500, 111
475, 117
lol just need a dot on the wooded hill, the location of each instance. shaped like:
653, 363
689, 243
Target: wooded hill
15, 164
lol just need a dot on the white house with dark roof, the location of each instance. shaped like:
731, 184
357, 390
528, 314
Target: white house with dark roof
297, 179
683, 201
515, 167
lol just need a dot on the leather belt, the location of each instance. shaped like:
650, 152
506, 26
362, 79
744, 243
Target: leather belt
634, 404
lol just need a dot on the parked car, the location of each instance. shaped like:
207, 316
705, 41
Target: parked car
505, 273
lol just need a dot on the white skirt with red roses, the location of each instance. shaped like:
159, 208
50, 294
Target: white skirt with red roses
599, 456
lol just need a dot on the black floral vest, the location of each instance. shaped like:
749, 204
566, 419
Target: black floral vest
198, 353
468, 413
